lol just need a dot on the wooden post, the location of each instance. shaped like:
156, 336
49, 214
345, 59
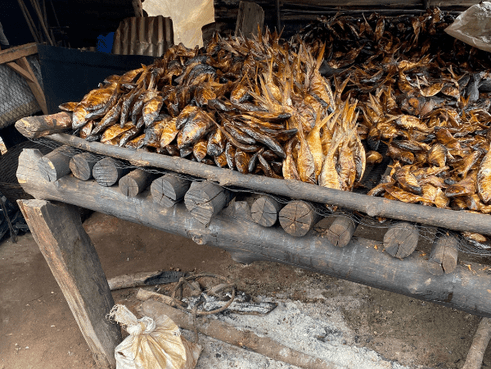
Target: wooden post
56, 164
401, 239
264, 211
42, 125
250, 19
206, 199
341, 231
108, 171
81, 165
298, 217
444, 255
169, 189
75, 265
135, 182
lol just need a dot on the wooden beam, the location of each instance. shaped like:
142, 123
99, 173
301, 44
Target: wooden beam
362, 261
34, 85
16, 67
372, 206
249, 19
73, 260
38, 126
17, 52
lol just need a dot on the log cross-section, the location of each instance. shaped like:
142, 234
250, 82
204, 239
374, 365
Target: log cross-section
108, 171
56, 164
298, 217
73, 260
81, 165
264, 211
169, 189
444, 255
135, 182
341, 231
401, 239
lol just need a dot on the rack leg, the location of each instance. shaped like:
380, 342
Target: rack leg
74, 262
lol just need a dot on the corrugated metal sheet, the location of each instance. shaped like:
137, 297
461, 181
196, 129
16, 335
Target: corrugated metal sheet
150, 36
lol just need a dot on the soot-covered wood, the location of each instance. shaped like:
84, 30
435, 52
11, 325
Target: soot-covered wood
401, 239
108, 171
81, 165
56, 164
264, 211
444, 255
341, 231
297, 218
169, 189
135, 182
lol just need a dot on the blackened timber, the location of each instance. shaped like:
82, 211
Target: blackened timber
466, 289
444, 255
81, 165
169, 189
135, 182
56, 164
264, 211
108, 171
341, 231
401, 239
206, 199
370, 205
298, 217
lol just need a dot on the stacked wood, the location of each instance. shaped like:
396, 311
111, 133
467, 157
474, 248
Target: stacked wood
206, 199
401, 239
81, 165
108, 171
135, 182
297, 218
169, 189
264, 211
444, 255
56, 164
341, 231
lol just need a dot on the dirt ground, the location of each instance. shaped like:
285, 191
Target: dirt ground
39, 331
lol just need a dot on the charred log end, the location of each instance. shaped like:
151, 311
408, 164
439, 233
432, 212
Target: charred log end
81, 165
341, 231
135, 182
56, 164
298, 217
401, 240
264, 211
108, 171
169, 189
206, 199
444, 256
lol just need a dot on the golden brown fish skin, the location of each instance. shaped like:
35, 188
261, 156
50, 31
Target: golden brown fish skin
374, 157
468, 163
329, 176
402, 155
346, 166
194, 129
437, 155
230, 155
289, 168
136, 143
465, 187
188, 113
153, 133
237, 133
221, 160
169, 133
404, 196
68, 106
199, 149
109, 119
264, 139
305, 160
79, 117
86, 130
242, 161
474, 237
115, 131
151, 108
484, 179
216, 143
129, 135
407, 180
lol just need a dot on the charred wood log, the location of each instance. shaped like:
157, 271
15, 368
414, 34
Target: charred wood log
444, 255
81, 165
297, 218
401, 239
135, 182
56, 164
264, 211
108, 171
341, 231
169, 189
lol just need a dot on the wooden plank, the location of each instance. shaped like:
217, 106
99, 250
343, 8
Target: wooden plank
401, 239
38, 126
73, 260
34, 85
17, 52
363, 261
372, 206
249, 19
297, 218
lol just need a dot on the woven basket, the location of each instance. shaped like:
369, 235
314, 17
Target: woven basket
9, 186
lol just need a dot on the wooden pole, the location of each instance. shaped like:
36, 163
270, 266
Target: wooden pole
444, 255
108, 171
206, 199
372, 206
135, 182
264, 211
81, 165
479, 345
466, 289
297, 218
169, 189
56, 164
30, 22
42, 125
401, 239
58, 231
37, 9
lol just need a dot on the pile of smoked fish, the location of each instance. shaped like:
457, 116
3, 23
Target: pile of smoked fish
340, 96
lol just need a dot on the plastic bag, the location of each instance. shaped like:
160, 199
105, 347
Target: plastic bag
152, 344
473, 26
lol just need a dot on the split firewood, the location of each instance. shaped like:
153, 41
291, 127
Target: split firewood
144, 279
241, 338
